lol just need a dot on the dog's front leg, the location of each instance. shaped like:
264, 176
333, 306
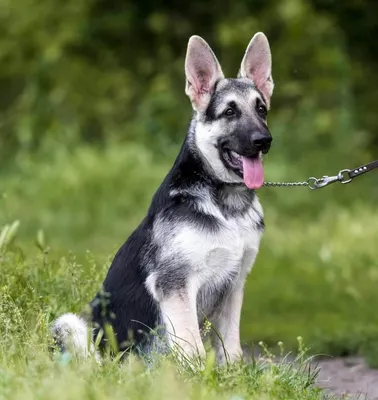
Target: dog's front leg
226, 338
180, 319
178, 307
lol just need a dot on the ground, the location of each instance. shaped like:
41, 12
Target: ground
350, 375
340, 377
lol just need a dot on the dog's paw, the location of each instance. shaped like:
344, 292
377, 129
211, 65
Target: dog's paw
190, 355
230, 356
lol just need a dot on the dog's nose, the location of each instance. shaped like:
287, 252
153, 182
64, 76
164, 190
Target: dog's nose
261, 141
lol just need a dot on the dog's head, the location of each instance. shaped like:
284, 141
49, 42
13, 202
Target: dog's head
231, 114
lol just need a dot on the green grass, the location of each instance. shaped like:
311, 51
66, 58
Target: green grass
31, 374
316, 276
35, 289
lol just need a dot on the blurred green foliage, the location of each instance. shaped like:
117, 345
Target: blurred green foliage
95, 71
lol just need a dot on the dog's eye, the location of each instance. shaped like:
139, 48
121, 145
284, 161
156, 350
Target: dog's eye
229, 112
261, 109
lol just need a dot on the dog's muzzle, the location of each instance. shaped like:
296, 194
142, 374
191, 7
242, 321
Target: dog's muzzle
261, 142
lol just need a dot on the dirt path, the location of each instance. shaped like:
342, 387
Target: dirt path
347, 377
350, 376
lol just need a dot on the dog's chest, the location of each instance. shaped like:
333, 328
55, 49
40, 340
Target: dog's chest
218, 255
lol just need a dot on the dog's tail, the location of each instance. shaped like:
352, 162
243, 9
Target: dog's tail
71, 334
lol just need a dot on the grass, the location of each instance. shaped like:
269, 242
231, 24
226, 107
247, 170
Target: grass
35, 289
36, 376
315, 277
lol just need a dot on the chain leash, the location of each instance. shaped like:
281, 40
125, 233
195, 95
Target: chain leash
344, 176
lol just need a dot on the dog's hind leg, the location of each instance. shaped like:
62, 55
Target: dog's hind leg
71, 334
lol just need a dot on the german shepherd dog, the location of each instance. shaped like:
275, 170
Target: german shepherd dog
187, 261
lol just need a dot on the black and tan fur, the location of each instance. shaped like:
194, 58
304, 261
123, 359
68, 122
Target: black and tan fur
189, 258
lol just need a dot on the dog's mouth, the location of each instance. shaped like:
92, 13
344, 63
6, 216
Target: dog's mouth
250, 168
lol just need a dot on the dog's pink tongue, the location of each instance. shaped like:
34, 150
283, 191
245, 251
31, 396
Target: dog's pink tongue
253, 172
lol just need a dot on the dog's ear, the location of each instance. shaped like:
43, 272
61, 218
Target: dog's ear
257, 65
202, 71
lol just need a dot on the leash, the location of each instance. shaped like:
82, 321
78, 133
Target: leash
344, 176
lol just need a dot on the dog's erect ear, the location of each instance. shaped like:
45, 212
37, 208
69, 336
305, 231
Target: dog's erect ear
202, 71
257, 65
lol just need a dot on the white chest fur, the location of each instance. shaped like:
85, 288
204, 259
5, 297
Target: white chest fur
214, 256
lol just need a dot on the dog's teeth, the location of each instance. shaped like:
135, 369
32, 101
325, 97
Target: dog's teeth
235, 155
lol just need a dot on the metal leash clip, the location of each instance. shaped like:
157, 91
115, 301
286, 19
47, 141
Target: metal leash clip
343, 176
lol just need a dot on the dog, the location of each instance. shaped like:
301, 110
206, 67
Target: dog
188, 260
